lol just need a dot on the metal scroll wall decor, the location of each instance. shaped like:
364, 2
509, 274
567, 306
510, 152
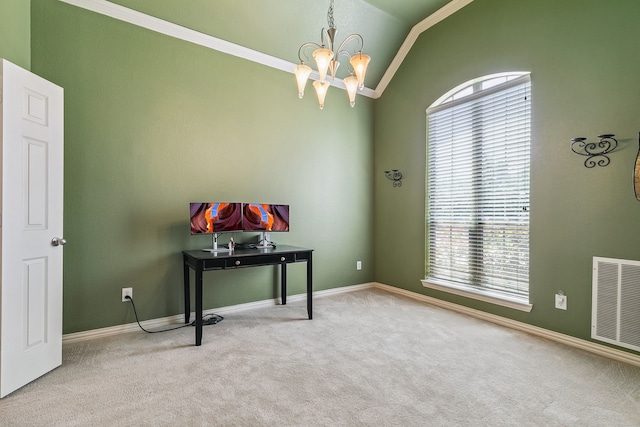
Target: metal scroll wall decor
394, 175
596, 152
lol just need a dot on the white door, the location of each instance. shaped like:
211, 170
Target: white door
31, 227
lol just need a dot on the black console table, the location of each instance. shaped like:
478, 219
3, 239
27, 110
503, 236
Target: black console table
201, 261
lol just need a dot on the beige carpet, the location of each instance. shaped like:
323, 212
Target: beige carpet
368, 358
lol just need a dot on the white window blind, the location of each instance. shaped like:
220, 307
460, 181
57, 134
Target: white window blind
478, 188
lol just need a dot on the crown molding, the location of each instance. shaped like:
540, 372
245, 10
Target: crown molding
161, 26
444, 12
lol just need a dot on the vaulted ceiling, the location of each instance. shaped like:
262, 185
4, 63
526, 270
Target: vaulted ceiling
278, 28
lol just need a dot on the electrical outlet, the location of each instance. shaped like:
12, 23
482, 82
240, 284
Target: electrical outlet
126, 292
561, 301
358, 265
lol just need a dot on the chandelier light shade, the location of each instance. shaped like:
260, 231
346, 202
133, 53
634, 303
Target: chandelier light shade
351, 84
323, 57
326, 59
302, 74
321, 90
359, 63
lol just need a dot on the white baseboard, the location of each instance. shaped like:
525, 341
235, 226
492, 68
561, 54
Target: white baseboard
602, 350
599, 349
178, 320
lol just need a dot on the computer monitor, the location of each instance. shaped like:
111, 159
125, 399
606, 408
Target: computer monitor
265, 218
215, 217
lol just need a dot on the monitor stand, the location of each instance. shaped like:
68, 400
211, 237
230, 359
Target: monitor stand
264, 241
214, 243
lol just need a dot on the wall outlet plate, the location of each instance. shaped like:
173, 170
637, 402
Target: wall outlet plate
358, 265
561, 301
126, 292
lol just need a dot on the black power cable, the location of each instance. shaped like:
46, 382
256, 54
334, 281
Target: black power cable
209, 319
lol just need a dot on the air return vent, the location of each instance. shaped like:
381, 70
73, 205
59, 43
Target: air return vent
615, 317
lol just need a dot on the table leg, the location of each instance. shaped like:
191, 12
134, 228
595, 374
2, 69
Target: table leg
283, 283
198, 305
187, 297
309, 288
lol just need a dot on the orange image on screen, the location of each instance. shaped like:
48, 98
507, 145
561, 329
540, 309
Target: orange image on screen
215, 217
265, 217
260, 215
212, 215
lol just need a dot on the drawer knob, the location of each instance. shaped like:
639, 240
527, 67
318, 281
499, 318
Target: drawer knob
238, 262
282, 258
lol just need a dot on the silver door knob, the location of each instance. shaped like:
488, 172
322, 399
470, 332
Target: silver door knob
58, 241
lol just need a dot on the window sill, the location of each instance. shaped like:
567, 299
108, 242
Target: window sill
480, 295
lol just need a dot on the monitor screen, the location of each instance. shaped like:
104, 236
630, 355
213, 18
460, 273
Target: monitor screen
265, 217
215, 217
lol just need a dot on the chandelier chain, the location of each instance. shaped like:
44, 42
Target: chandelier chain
330, 16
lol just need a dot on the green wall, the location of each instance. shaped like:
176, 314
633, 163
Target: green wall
15, 34
584, 58
152, 123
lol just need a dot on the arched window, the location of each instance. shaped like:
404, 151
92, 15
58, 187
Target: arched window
478, 151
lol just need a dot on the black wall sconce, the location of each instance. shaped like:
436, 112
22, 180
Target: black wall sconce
394, 175
596, 152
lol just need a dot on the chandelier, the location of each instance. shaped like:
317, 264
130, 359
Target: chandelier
326, 59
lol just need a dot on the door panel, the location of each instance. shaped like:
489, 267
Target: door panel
35, 182
31, 216
34, 302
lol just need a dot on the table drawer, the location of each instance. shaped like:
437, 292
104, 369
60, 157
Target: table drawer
267, 259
